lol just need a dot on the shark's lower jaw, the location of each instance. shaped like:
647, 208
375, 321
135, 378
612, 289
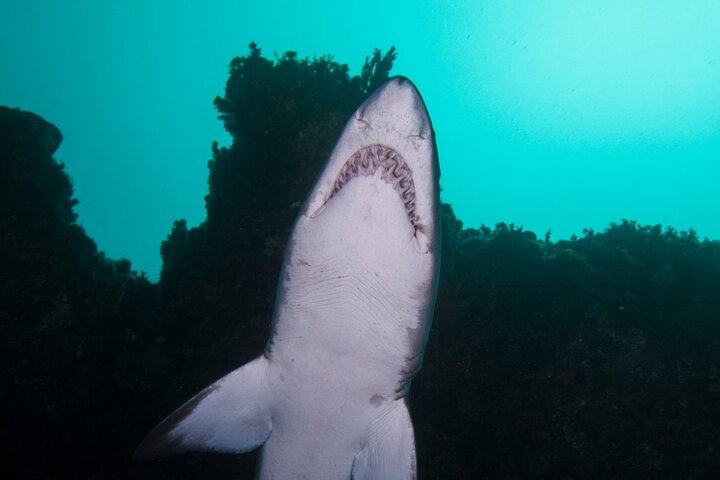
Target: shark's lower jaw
394, 170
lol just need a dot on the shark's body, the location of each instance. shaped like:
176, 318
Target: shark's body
326, 400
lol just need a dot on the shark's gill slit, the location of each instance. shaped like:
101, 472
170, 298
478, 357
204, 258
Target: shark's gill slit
393, 170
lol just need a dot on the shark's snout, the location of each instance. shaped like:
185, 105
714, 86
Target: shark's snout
397, 106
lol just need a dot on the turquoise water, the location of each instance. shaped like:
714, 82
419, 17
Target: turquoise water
557, 116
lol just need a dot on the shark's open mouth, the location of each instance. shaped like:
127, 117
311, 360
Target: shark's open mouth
393, 170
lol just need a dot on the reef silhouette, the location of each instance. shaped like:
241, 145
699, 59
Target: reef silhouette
595, 357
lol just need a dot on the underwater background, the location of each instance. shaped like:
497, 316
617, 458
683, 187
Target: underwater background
577, 330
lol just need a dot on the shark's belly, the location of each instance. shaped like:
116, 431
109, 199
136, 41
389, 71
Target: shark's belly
339, 356
316, 434
350, 332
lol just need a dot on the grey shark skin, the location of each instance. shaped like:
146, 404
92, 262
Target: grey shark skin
327, 398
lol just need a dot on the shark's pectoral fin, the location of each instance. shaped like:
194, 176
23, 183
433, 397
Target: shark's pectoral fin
233, 415
389, 450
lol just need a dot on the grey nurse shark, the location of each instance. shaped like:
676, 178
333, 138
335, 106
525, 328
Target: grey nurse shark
327, 399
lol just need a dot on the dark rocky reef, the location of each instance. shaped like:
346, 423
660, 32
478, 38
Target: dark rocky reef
64, 310
596, 357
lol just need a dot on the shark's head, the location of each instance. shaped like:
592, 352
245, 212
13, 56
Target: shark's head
390, 136
369, 233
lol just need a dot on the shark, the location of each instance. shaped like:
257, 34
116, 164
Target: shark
327, 398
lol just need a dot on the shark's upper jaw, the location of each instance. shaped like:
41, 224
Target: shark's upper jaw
389, 135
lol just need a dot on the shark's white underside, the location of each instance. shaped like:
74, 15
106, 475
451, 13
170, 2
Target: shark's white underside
327, 399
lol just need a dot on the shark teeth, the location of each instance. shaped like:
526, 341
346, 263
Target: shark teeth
393, 170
